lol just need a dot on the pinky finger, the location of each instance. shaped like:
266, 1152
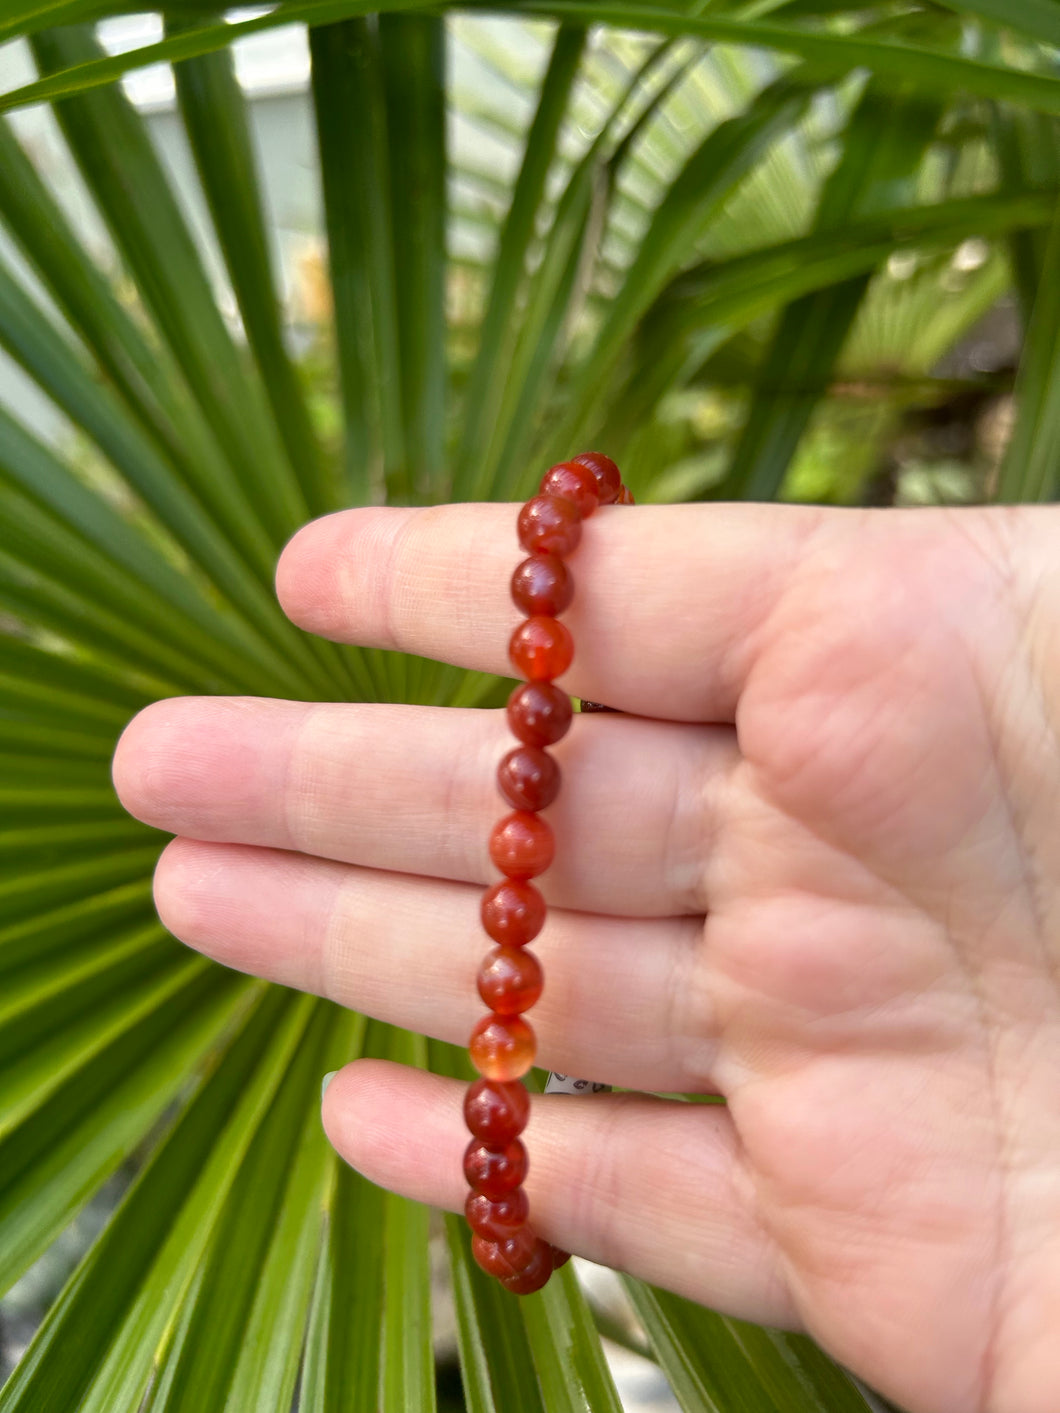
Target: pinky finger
651, 1186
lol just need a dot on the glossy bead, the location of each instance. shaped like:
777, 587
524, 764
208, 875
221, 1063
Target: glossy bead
548, 525
513, 912
510, 980
542, 584
608, 476
539, 713
498, 1219
506, 1258
522, 844
541, 649
572, 481
502, 1047
494, 1112
534, 1274
495, 1171
528, 778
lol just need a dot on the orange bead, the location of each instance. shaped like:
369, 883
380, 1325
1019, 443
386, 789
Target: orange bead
541, 649
495, 1171
574, 482
522, 845
539, 713
507, 1258
510, 980
534, 1274
496, 1113
548, 525
500, 1219
513, 912
608, 476
528, 778
502, 1047
542, 584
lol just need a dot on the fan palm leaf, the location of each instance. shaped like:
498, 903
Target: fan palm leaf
540, 229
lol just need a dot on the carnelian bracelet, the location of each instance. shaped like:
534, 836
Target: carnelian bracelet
522, 845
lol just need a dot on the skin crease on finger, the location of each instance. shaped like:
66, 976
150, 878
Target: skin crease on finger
878, 970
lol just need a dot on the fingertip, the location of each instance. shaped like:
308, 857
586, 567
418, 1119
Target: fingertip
399, 1126
301, 570
333, 573
142, 769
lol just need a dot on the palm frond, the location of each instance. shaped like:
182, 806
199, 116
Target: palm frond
572, 221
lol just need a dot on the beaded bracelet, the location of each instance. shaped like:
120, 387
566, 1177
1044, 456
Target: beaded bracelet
510, 980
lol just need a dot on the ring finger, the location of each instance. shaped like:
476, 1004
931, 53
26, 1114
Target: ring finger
622, 1003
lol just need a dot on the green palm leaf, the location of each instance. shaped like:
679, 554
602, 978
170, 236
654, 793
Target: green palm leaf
537, 233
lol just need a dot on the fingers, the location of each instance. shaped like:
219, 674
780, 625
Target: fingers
651, 1187
412, 789
621, 999
669, 601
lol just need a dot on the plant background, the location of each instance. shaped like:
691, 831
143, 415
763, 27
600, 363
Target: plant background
785, 248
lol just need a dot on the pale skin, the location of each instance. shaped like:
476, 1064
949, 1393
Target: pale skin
815, 869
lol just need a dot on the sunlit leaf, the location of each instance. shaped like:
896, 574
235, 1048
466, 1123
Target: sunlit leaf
540, 226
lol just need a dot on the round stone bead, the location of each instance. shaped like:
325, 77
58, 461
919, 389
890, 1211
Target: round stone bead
542, 584
528, 778
541, 649
625, 496
572, 481
510, 980
513, 912
608, 476
559, 1258
502, 1047
522, 844
496, 1113
495, 1171
539, 713
548, 525
506, 1258
500, 1219
534, 1274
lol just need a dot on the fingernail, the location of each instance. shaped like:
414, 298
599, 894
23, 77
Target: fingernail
325, 1082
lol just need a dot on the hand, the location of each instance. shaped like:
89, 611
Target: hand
815, 869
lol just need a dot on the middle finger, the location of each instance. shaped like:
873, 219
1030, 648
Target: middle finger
411, 789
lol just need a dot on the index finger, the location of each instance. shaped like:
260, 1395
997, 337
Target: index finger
667, 604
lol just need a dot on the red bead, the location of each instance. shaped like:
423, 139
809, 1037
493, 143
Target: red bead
548, 525
608, 476
494, 1112
539, 713
502, 1047
495, 1171
625, 496
513, 912
522, 844
534, 1274
542, 584
500, 1219
559, 1258
541, 649
506, 1258
528, 778
510, 980
572, 481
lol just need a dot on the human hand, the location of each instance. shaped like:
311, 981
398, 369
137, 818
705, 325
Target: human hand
815, 869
